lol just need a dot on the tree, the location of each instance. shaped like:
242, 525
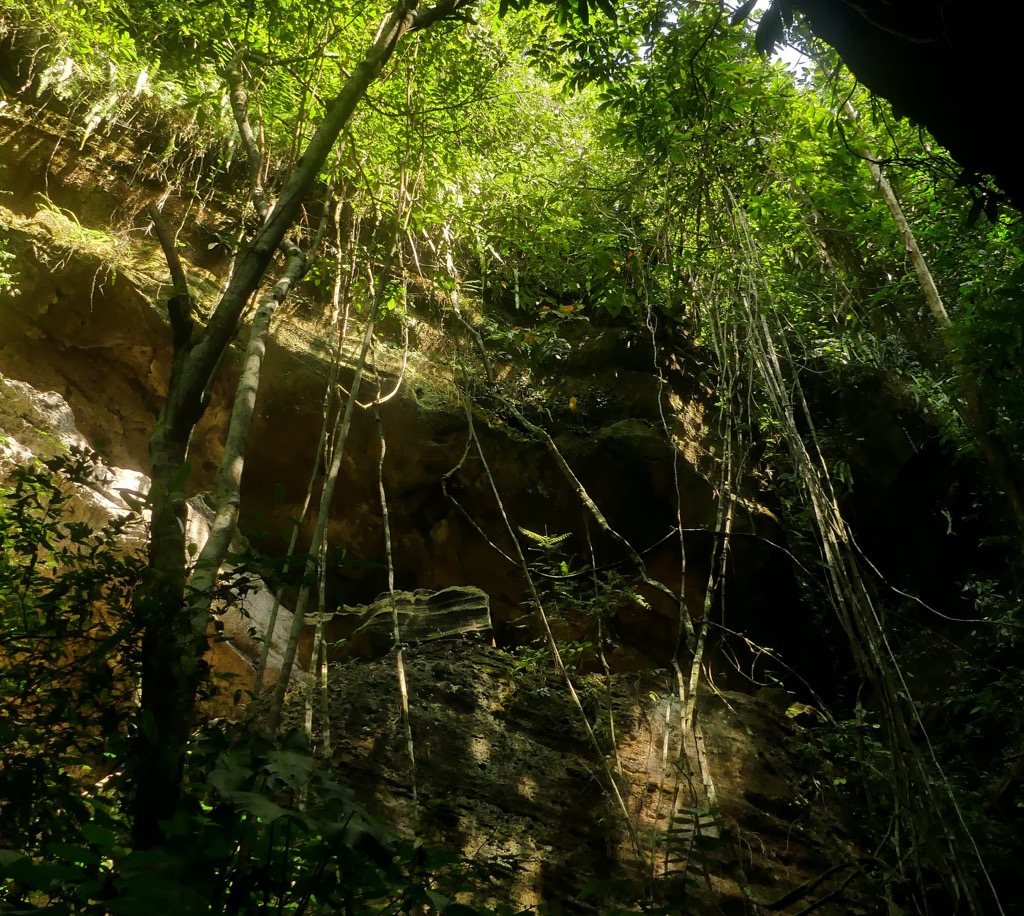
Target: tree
172, 647
172, 644
947, 66
726, 180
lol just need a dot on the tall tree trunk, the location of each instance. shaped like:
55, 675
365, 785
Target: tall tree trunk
166, 719
229, 485
977, 412
339, 437
171, 662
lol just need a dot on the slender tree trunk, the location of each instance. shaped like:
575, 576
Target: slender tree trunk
170, 663
165, 721
978, 414
339, 438
229, 485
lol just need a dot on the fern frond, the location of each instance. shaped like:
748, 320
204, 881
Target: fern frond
544, 540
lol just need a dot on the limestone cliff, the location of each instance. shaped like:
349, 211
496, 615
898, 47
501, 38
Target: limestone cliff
724, 812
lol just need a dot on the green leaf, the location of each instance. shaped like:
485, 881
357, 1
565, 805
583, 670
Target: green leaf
438, 901
8, 856
258, 805
544, 540
769, 30
177, 484
291, 767
742, 13
101, 836
41, 875
73, 854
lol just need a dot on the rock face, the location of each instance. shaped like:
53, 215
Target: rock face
420, 616
741, 812
40, 424
509, 771
87, 323
242, 621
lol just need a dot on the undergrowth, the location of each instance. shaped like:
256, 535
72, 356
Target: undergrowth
263, 827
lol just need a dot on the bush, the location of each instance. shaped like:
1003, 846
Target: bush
67, 656
262, 826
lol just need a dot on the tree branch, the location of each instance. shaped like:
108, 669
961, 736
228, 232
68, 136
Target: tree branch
239, 99
179, 304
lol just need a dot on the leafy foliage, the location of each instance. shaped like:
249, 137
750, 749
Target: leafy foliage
991, 339
262, 824
6, 259
67, 654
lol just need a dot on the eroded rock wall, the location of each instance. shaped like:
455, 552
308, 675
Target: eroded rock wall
741, 812
38, 425
85, 321
506, 772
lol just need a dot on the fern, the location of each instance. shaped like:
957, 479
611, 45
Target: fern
545, 541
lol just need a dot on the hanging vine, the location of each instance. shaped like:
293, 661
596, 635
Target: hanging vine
923, 802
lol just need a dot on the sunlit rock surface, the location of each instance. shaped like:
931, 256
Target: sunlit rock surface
506, 774
39, 425
741, 812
